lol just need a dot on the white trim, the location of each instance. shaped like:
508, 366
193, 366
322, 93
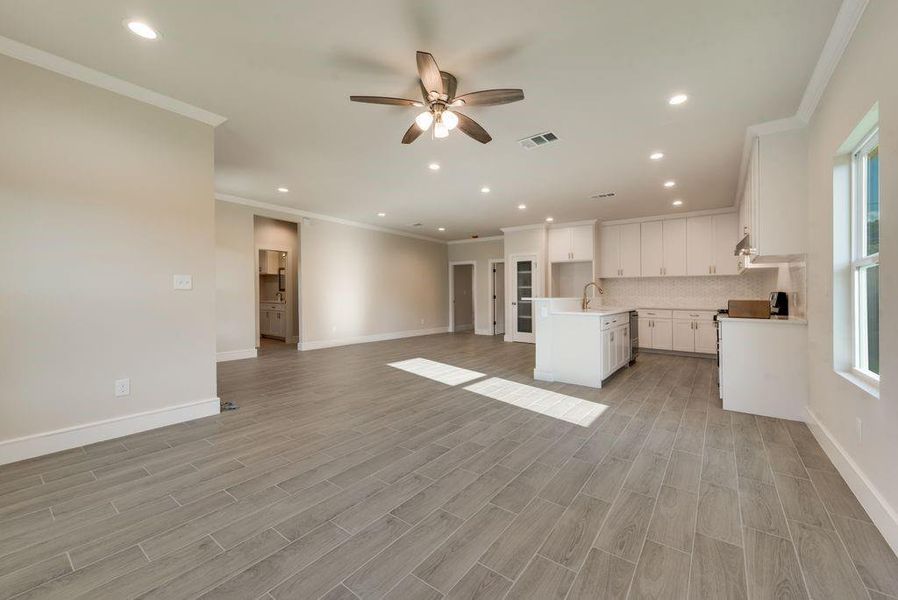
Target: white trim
573, 223
73, 70
884, 515
236, 355
846, 22
483, 332
40, 444
492, 238
364, 339
491, 288
524, 227
304, 214
454, 263
678, 215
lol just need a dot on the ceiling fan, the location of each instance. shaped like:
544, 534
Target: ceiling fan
438, 88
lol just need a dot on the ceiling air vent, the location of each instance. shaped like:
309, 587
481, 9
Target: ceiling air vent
416, 225
601, 195
538, 140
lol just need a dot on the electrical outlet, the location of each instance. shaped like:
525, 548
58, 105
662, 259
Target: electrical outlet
122, 387
860, 431
183, 282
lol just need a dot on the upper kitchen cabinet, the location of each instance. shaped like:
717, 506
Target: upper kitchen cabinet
711, 240
772, 213
663, 248
571, 243
619, 250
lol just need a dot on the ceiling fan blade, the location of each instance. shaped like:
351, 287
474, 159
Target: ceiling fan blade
470, 127
412, 134
430, 73
490, 97
385, 100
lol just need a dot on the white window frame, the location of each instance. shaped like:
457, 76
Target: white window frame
859, 259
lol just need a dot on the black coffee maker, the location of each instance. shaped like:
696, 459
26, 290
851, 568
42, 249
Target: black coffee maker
779, 304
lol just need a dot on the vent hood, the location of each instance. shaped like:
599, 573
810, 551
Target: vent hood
743, 248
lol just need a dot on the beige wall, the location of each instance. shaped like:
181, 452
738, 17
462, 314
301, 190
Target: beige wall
358, 282
866, 75
281, 235
235, 302
103, 200
480, 253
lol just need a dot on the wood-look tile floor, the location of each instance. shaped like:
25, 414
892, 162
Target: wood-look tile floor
343, 478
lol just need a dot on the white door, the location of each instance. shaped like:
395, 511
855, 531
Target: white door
630, 251
706, 337
525, 278
725, 240
645, 333
699, 234
498, 298
581, 242
559, 245
652, 248
683, 335
675, 247
609, 251
662, 334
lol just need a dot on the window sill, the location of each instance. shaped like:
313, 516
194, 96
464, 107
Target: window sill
867, 384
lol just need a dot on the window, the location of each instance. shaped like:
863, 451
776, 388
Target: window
865, 255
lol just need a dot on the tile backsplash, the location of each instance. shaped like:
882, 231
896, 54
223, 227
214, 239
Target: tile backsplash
694, 292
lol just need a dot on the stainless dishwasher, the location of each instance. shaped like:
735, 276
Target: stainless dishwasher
634, 336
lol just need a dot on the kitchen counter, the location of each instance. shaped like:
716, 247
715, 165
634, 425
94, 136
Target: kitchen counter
770, 321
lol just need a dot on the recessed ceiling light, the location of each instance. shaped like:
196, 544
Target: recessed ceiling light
441, 229
670, 184
656, 155
484, 190
677, 99
549, 219
381, 214
434, 166
283, 190
678, 203
522, 206
142, 29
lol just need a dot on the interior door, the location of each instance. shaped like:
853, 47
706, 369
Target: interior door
609, 251
524, 274
683, 336
652, 249
675, 247
498, 298
630, 251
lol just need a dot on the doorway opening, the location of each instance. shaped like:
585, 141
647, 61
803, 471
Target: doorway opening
497, 296
277, 291
462, 291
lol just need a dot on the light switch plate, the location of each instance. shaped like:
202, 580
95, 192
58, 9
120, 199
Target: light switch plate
122, 387
183, 282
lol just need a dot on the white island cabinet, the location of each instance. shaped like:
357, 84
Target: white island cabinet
576, 346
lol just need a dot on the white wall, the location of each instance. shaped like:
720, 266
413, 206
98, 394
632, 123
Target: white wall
481, 253
235, 274
103, 200
865, 75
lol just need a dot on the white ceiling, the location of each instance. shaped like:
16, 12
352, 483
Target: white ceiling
597, 73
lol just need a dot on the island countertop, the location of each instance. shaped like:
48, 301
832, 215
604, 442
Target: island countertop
571, 306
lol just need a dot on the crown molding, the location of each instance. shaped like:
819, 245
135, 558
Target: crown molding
847, 19
492, 238
846, 22
304, 214
668, 217
524, 227
573, 223
73, 70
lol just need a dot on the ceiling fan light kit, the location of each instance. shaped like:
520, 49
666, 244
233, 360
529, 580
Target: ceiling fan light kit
438, 91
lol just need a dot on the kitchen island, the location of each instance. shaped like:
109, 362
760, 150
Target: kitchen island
577, 346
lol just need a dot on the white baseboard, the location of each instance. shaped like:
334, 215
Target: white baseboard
543, 375
483, 332
884, 515
89, 433
236, 355
364, 339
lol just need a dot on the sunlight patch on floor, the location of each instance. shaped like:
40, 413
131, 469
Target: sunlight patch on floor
552, 404
437, 371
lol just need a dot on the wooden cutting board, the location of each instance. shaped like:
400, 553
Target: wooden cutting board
749, 309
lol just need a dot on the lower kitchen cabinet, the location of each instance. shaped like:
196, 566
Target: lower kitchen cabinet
682, 331
615, 349
655, 329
